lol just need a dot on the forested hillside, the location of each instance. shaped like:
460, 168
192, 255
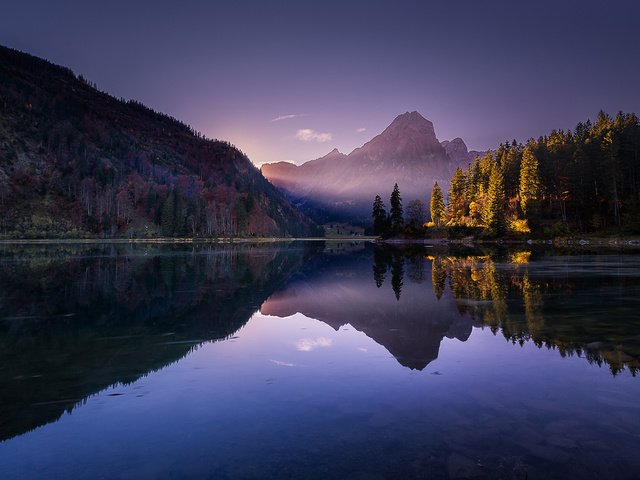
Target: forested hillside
581, 181
75, 161
585, 180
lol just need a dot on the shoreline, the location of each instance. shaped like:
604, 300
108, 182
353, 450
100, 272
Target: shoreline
189, 240
586, 241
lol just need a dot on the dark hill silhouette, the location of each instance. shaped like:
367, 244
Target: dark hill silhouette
75, 161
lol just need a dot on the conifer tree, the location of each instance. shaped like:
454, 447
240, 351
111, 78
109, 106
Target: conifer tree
456, 199
395, 213
529, 181
437, 207
494, 211
379, 215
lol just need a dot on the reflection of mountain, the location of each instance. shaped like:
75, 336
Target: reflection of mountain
72, 326
340, 290
406, 302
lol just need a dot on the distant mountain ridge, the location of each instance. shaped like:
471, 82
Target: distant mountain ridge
339, 186
75, 161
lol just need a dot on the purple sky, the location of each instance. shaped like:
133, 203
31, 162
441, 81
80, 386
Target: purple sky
486, 71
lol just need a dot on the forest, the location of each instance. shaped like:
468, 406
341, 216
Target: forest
585, 180
77, 162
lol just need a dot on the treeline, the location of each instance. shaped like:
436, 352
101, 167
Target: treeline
396, 221
586, 180
581, 181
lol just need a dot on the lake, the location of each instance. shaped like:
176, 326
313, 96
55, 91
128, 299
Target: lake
318, 360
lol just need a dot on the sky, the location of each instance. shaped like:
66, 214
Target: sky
291, 80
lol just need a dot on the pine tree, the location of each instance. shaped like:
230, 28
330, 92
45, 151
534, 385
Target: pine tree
529, 181
457, 203
379, 215
395, 213
436, 205
494, 212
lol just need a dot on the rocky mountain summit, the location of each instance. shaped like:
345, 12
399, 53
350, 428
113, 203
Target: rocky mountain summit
339, 186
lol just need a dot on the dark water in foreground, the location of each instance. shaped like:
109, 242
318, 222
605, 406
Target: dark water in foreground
314, 361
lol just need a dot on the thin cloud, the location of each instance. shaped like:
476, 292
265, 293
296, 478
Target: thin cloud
361, 129
309, 344
287, 117
308, 135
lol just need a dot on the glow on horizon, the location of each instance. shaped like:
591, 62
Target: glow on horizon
346, 66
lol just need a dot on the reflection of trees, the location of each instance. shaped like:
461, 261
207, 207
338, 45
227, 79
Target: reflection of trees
438, 275
507, 296
397, 273
501, 292
532, 306
381, 261
385, 259
76, 320
477, 278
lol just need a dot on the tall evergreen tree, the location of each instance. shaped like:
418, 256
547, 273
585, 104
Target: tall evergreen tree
494, 212
436, 205
379, 215
395, 212
457, 204
529, 181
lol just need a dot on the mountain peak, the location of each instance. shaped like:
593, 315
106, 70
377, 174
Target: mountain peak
411, 123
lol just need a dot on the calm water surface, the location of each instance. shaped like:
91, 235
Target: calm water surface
316, 360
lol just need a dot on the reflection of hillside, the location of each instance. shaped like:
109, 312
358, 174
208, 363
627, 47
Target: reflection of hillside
71, 326
340, 290
566, 303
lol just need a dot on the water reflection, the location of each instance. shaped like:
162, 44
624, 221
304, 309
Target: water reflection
405, 318
572, 304
77, 319
554, 302
318, 392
